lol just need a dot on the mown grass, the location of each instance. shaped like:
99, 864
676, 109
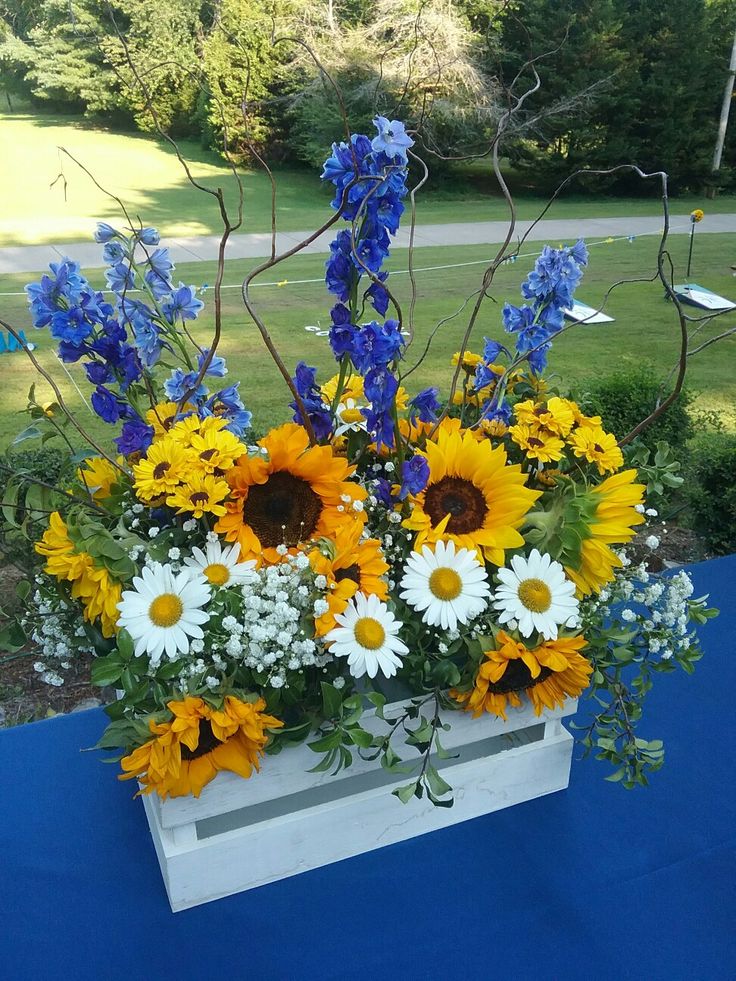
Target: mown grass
646, 327
37, 205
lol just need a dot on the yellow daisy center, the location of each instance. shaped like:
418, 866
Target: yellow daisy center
351, 415
369, 633
166, 610
535, 595
217, 573
445, 584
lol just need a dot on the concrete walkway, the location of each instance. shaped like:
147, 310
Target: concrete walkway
35, 258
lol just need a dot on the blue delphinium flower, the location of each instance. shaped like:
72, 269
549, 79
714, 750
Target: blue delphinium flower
107, 407
227, 404
120, 277
305, 382
147, 339
414, 476
105, 232
376, 345
135, 437
148, 236
392, 138
183, 304
181, 383
424, 406
380, 387
158, 274
217, 367
342, 332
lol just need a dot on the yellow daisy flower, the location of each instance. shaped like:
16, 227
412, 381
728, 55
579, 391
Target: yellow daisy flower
598, 447
556, 415
538, 444
216, 450
163, 416
473, 496
164, 466
470, 361
201, 494
98, 475
187, 752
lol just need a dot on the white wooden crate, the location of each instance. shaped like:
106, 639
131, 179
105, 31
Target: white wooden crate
284, 820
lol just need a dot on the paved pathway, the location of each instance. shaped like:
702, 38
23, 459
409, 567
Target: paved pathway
34, 258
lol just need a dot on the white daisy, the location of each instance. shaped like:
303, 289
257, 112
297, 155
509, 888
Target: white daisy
350, 418
366, 635
164, 611
220, 566
450, 585
536, 593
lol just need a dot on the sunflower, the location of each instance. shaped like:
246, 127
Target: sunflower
537, 443
201, 494
548, 673
165, 465
296, 493
187, 752
348, 564
612, 522
473, 497
92, 584
98, 475
598, 447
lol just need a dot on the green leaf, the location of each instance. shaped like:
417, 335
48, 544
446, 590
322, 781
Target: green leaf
325, 763
331, 701
22, 589
360, 737
12, 637
618, 775
124, 643
437, 785
30, 432
378, 701
106, 670
406, 793
331, 741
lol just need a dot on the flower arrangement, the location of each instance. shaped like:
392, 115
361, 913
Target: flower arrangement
244, 594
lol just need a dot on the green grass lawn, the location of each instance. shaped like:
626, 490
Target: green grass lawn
36, 207
645, 329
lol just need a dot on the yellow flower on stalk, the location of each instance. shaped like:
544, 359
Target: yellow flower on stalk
556, 414
537, 444
470, 361
163, 416
164, 466
98, 475
615, 515
202, 494
473, 496
598, 447
493, 428
697, 215
349, 565
92, 584
293, 494
192, 425
548, 673
216, 450
187, 752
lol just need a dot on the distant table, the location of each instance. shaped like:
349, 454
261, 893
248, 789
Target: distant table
592, 884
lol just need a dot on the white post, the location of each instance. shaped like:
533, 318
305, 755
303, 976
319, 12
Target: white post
725, 109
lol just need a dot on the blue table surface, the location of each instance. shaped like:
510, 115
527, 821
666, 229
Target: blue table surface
592, 883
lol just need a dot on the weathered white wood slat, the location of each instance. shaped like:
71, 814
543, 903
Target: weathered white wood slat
232, 839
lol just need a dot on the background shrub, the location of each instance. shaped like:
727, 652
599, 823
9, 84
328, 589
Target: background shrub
711, 491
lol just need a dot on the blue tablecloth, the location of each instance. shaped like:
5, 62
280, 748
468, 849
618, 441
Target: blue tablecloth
593, 883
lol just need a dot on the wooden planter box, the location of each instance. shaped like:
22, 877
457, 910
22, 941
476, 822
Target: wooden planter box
241, 834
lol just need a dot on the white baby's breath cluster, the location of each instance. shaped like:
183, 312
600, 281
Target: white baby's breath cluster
54, 626
267, 631
658, 605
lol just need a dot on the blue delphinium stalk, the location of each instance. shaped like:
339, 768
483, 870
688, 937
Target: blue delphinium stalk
305, 382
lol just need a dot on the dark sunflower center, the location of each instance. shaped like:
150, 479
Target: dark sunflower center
459, 498
352, 572
207, 742
160, 469
207, 454
533, 441
517, 677
198, 497
283, 511
597, 447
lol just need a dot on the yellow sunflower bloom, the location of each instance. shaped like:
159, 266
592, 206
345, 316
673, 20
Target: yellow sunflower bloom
92, 584
292, 495
189, 751
470, 361
697, 215
537, 443
556, 415
548, 673
201, 494
352, 566
98, 475
164, 466
613, 521
597, 446
473, 497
